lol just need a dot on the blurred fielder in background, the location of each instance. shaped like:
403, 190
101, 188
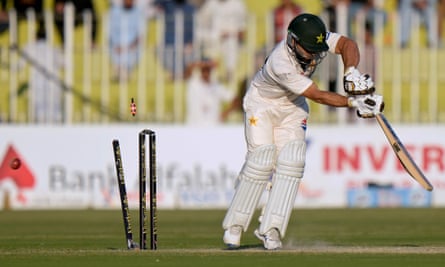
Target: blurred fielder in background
276, 113
205, 94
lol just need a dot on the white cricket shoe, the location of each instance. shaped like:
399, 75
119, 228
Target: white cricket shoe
271, 239
232, 236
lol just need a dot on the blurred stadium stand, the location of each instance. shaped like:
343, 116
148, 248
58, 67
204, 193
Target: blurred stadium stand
412, 80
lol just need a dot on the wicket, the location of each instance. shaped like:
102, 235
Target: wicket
142, 191
123, 195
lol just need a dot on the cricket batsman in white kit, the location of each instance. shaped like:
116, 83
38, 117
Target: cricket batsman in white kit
275, 119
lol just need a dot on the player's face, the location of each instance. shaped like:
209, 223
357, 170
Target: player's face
205, 73
128, 4
306, 58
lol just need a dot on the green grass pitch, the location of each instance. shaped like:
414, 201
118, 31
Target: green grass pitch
315, 237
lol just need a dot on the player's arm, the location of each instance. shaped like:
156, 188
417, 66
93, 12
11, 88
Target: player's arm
354, 82
325, 97
348, 49
367, 105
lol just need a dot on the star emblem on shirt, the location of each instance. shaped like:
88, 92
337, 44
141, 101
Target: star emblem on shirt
253, 120
320, 38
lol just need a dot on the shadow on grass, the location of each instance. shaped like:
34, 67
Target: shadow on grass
247, 247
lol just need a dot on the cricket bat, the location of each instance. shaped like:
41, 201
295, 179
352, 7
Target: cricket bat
402, 154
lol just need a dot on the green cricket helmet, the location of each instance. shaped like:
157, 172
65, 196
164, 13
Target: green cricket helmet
306, 37
310, 32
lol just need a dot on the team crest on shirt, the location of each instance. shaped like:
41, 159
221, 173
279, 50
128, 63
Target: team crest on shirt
253, 120
304, 124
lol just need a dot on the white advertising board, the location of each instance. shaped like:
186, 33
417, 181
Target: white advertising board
73, 166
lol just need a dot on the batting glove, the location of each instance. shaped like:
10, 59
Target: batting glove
356, 83
367, 105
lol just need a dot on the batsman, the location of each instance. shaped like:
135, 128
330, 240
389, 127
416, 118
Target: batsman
275, 121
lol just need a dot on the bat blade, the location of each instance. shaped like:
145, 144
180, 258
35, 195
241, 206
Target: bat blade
402, 154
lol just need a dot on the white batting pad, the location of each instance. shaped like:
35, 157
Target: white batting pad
288, 173
251, 183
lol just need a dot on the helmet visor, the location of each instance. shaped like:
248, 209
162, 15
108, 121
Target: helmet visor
303, 56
